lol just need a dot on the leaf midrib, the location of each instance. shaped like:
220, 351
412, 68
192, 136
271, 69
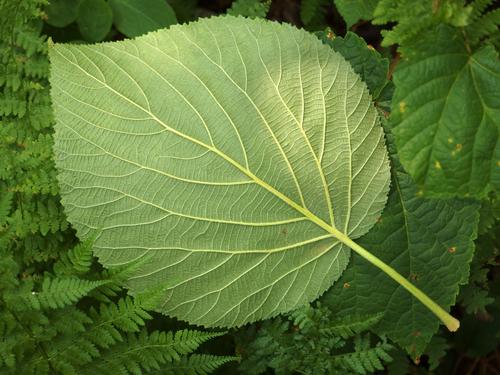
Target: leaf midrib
304, 211
300, 124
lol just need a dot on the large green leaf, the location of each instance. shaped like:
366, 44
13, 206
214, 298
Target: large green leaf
446, 115
236, 158
431, 242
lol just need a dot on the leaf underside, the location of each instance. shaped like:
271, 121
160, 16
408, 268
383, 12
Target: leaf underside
218, 154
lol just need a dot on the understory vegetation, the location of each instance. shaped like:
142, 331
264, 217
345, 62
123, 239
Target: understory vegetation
431, 69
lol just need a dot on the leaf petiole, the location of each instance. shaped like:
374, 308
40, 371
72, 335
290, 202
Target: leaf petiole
449, 321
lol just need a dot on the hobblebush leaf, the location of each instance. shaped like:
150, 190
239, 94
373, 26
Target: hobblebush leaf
431, 242
445, 115
136, 17
236, 158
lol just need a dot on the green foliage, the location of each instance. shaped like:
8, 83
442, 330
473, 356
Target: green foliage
158, 351
94, 20
250, 8
61, 313
45, 332
35, 226
483, 26
136, 17
476, 295
489, 214
354, 10
479, 336
402, 227
446, 121
77, 261
50, 318
197, 364
309, 9
365, 61
57, 293
436, 350
414, 19
60, 13
431, 240
445, 107
185, 10
310, 341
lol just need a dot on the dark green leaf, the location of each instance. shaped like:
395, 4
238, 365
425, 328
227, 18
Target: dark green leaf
354, 10
184, 9
365, 61
61, 13
431, 241
94, 19
136, 17
478, 337
445, 115
309, 9
489, 214
436, 350
384, 99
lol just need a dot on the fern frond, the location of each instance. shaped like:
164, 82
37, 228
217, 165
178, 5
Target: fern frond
415, 18
7, 358
70, 321
485, 26
250, 8
489, 214
57, 293
5, 206
149, 351
365, 358
436, 350
352, 325
315, 343
126, 315
77, 261
307, 317
196, 364
412, 18
477, 8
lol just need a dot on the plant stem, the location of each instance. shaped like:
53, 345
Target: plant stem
449, 321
